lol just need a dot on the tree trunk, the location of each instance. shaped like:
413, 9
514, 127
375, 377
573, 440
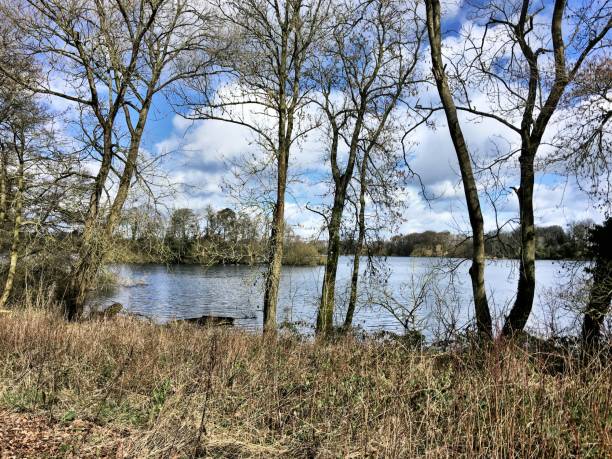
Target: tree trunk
95, 239
325, 317
3, 189
599, 305
95, 236
10, 276
532, 133
277, 235
350, 311
601, 290
125, 182
89, 256
517, 319
477, 274
82, 276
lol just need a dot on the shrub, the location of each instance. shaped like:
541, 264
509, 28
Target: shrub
300, 253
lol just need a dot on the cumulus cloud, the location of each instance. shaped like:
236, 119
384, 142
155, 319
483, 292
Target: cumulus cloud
203, 149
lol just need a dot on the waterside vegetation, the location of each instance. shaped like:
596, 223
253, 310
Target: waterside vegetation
144, 390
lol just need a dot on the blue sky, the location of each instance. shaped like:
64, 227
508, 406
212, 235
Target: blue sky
202, 149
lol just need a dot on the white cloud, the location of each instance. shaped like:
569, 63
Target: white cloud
203, 148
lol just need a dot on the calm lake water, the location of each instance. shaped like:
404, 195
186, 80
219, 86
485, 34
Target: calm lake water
440, 287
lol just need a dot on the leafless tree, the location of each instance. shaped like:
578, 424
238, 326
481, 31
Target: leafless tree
109, 59
365, 68
477, 270
583, 144
523, 56
16, 130
376, 198
268, 49
35, 174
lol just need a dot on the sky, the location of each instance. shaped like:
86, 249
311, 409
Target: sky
198, 153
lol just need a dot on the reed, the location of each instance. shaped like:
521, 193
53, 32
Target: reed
178, 390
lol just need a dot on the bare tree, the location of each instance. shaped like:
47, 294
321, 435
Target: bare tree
477, 270
265, 89
112, 59
523, 57
18, 119
34, 172
376, 205
37, 175
583, 145
364, 69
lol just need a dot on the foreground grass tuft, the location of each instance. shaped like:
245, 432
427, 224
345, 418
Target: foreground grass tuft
182, 391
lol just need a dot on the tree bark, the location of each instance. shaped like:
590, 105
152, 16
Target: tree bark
477, 270
519, 314
82, 275
14, 252
325, 317
3, 188
90, 253
350, 311
277, 236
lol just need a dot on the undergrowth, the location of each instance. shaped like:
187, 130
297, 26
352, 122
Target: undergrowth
183, 391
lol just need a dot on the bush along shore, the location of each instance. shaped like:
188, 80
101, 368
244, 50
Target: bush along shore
129, 388
210, 253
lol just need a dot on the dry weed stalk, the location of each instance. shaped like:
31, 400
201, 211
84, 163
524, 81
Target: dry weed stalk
243, 395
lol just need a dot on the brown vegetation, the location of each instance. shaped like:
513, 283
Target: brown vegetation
252, 396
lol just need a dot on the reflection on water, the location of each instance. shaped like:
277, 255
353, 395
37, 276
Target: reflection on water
182, 291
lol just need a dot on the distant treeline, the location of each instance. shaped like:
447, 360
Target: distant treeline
552, 243
207, 237
230, 237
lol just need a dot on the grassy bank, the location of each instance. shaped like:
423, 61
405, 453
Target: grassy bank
155, 390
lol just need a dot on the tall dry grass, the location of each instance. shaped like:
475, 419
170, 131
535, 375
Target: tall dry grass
257, 397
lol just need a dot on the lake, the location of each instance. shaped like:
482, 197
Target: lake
438, 290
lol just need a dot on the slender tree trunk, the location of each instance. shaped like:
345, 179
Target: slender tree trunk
277, 235
325, 317
3, 188
89, 257
517, 319
350, 311
532, 133
477, 270
12, 268
277, 231
125, 182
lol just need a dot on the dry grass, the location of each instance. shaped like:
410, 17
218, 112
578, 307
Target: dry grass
288, 397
